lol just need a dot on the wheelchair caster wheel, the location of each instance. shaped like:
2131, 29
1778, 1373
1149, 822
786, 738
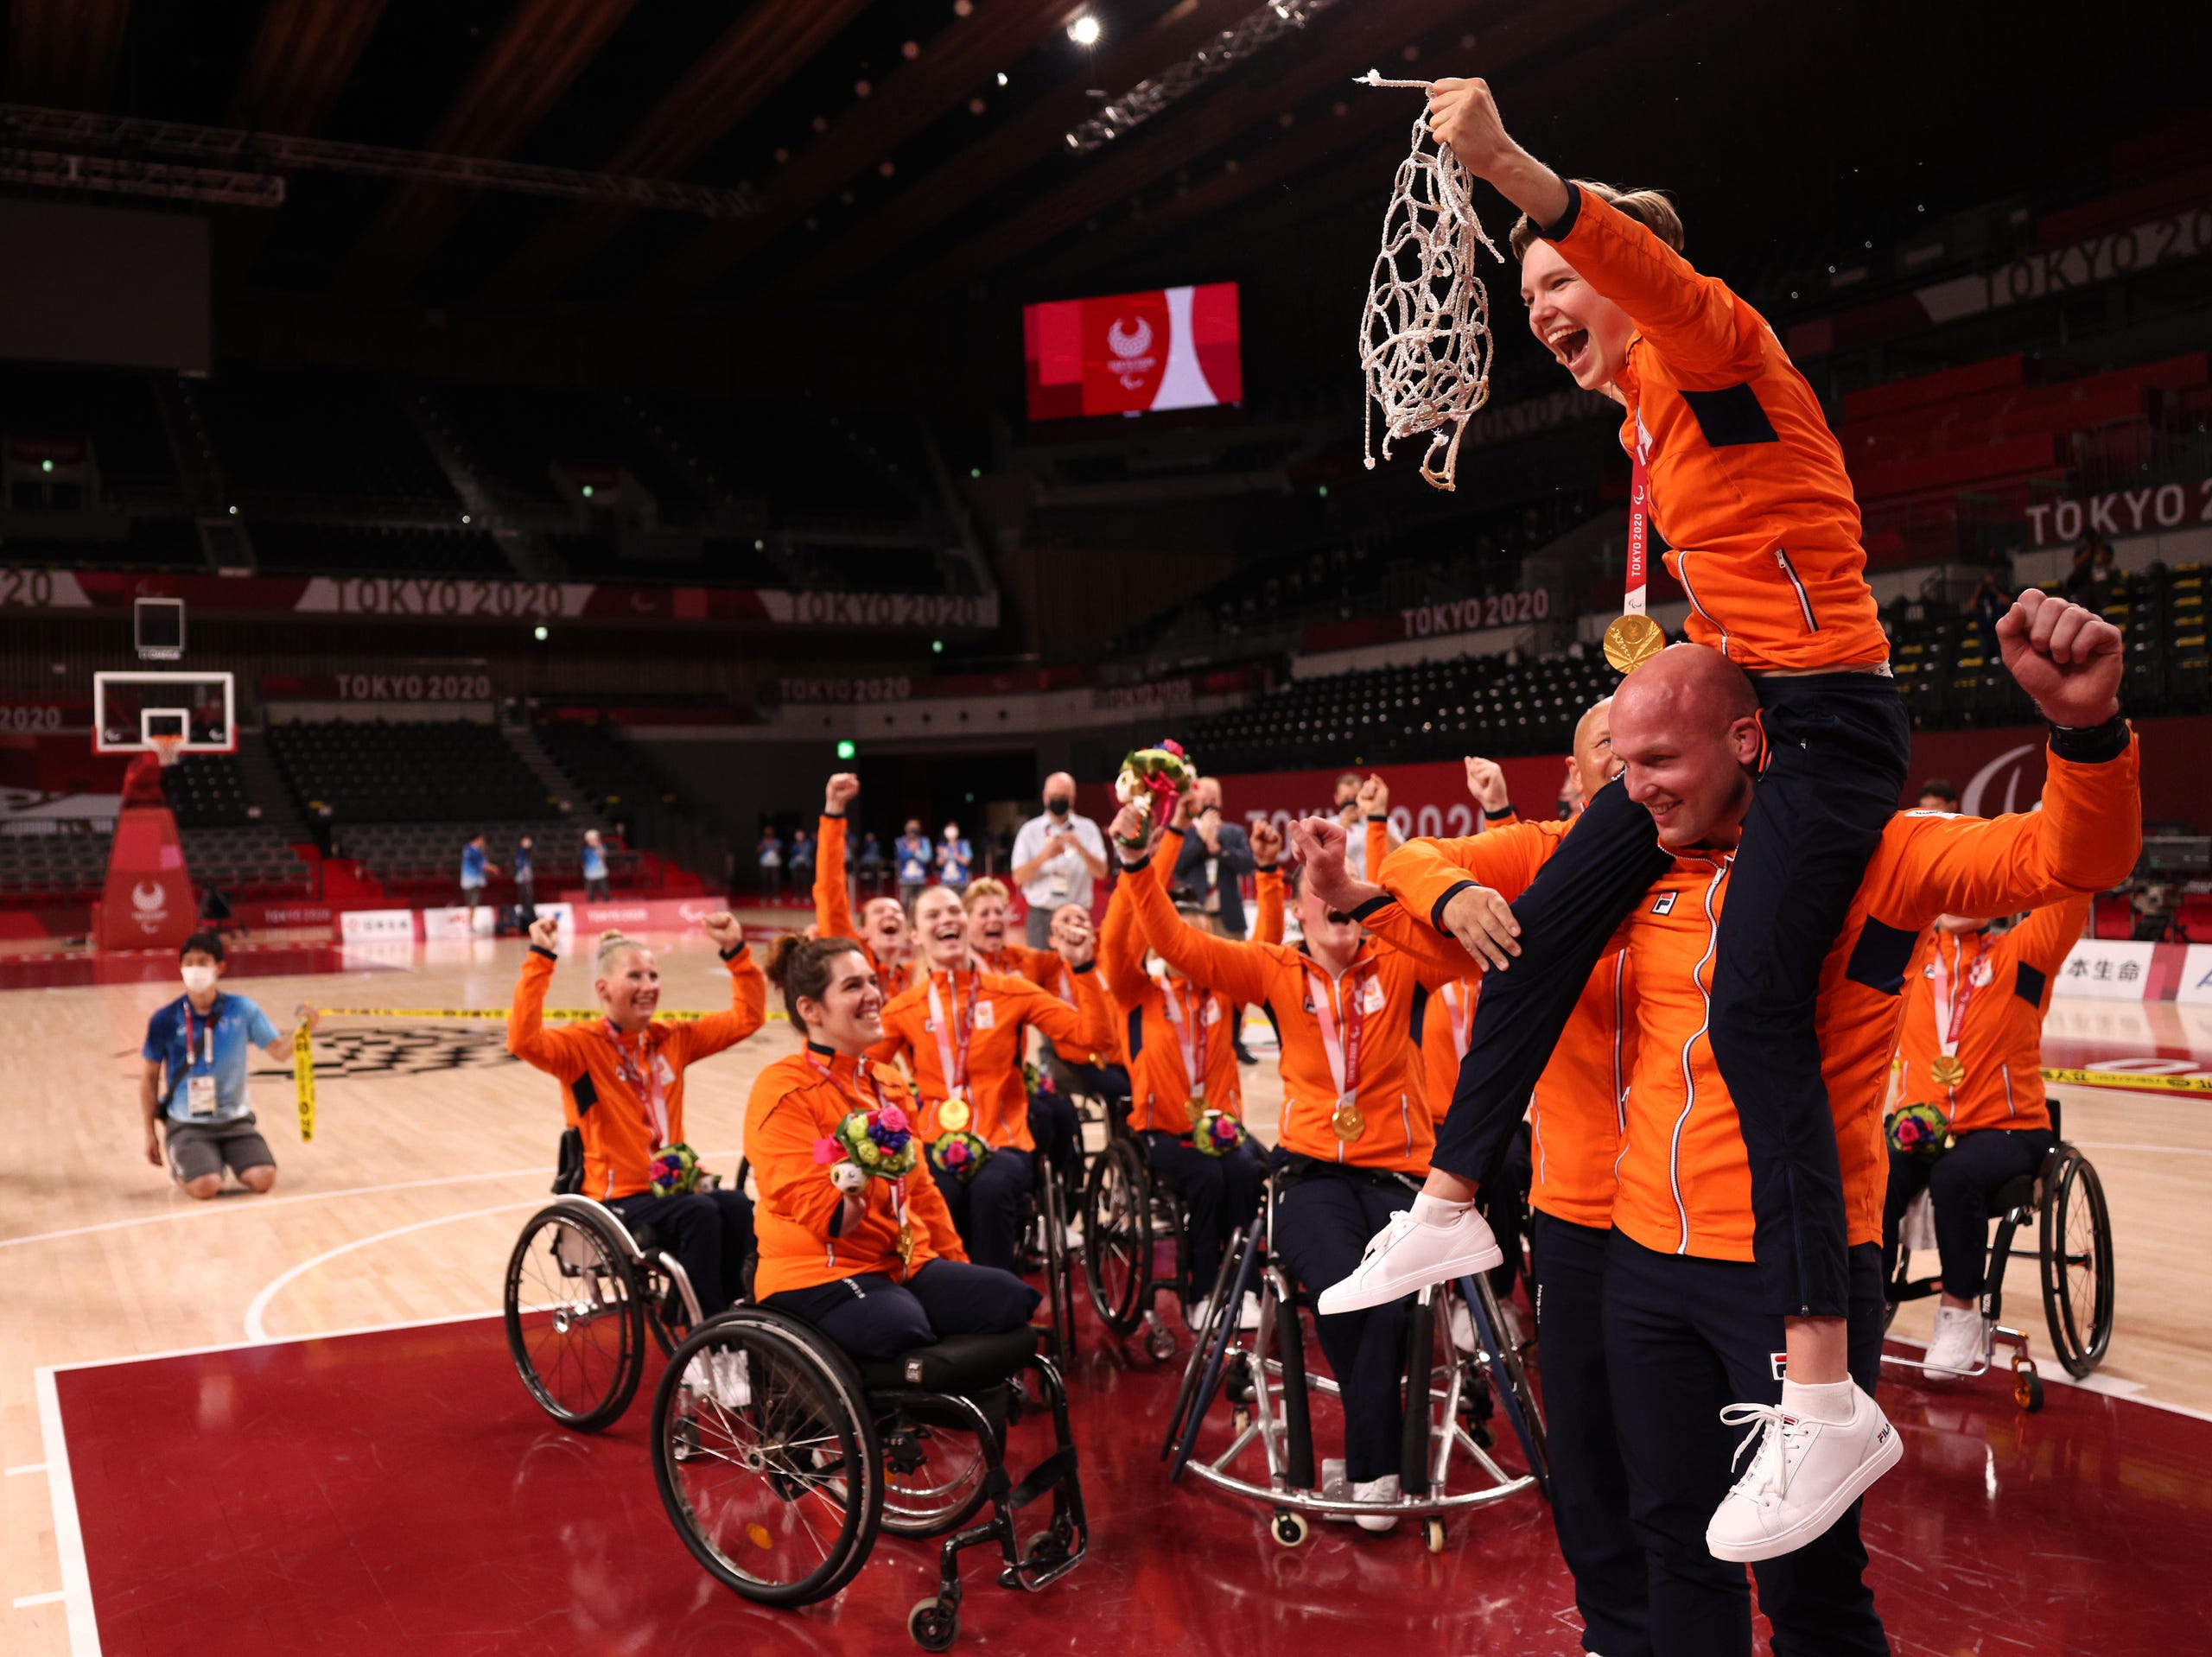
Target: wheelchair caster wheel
2027, 1389
1161, 1343
934, 1624
1288, 1528
1432, 1534
1044, 1550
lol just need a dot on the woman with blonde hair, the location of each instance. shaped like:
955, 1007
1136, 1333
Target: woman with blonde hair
623, 1091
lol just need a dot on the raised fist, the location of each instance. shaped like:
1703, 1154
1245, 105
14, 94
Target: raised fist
725, 929
2068, 658
543, 931
1374, 797
840, 793
1486, 782
1267, 842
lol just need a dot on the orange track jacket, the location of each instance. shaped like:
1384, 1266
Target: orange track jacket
2005, 984
619, 1131
798, 1100
1747, 482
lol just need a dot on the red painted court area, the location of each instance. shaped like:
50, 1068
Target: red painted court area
395, 1491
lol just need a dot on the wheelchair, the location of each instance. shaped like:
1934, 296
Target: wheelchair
1269, 1389
2064, 1200
582, 1293
780, 1460
1133, 1242
1044, 1250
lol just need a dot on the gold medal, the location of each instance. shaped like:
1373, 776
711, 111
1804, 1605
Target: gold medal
1197, 1101
1946, 1070
1632, 640
1348, 1122
906, 1246
953, 1115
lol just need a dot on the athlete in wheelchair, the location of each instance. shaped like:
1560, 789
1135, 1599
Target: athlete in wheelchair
872, 1382
1355, 1139
1974, 1139
963, 1032
1179, 1175
640, 1238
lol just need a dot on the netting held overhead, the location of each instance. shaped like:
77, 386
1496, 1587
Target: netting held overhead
1424, 340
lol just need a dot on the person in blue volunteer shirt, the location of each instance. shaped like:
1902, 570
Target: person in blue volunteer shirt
914, 858
474, 868
869, 864
597, 888
525, 877
955, 857
193, 1085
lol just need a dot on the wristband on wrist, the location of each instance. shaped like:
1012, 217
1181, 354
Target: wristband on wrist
2091, 744
540, 949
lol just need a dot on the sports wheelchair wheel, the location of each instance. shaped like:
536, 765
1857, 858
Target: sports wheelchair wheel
1117, 1254
576, 1318
2076, 1259
1500, 1360
767, 1458
1059, 1267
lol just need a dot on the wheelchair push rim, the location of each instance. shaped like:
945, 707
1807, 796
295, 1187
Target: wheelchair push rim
767, 1460
574, 1319
1117, 1237
2077, 1263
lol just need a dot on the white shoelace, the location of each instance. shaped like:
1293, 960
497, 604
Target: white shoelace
1383, 1241
1769, 1473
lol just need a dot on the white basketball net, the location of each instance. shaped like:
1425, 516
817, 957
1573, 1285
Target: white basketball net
1424, 341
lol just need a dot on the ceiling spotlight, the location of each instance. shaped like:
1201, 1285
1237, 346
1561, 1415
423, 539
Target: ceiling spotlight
782, 154
887, 168
1001, 77
1083, 31
962, 8
911, 50
861, 89
974, 106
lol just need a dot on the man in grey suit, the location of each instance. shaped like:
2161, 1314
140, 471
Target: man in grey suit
1215, 857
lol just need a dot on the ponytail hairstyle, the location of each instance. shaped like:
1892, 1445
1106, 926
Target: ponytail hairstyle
799, 968
1649, 208
612, 944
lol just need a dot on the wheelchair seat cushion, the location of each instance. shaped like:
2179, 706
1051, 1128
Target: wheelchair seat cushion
965, 1363
2017, 1192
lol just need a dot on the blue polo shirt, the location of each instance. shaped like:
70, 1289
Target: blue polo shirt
217, 1045
471, 867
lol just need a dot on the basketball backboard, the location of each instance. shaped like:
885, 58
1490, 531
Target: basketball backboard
130, 710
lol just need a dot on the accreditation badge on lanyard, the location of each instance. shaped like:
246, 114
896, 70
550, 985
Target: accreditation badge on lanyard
200, 1078
953, 1036
1946, 1070
1348, 1122
1633, 638
1191, 1037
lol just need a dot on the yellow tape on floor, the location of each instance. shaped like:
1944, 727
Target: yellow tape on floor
2133, 1080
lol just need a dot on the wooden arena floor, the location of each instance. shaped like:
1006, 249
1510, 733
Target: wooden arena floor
432, 1145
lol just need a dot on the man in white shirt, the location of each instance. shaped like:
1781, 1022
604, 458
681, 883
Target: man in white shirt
1056, 857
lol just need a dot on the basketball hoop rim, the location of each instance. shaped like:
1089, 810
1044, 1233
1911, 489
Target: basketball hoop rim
167, 750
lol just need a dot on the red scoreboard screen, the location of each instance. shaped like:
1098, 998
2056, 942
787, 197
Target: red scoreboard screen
1126, 353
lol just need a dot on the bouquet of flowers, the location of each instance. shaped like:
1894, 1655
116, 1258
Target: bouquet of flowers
960, 1153
675, 1170
879, 1142
1920, 1130
1217, 1133
1156, 776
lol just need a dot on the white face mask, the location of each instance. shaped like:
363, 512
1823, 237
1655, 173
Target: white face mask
199, 980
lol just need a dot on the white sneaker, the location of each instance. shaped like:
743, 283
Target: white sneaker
1248, 1312
1803, 1475
729, 1379
1407, 1256
1383, 1489
1960, 1345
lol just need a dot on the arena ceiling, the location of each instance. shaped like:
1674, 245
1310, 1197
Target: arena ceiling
912, 148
